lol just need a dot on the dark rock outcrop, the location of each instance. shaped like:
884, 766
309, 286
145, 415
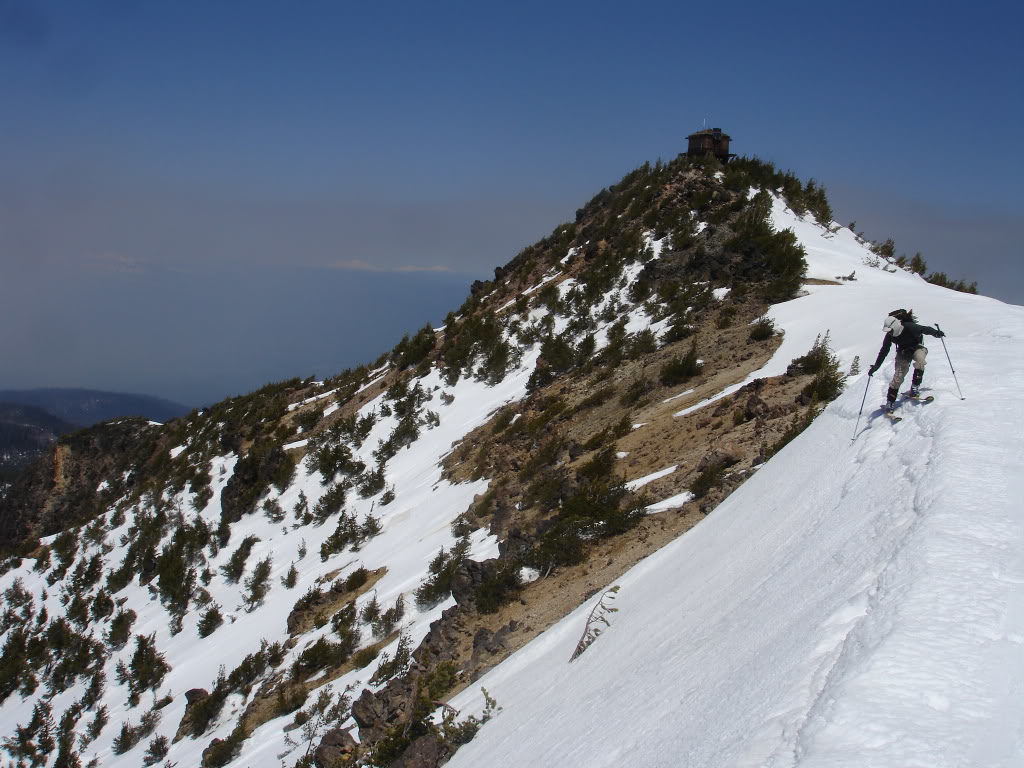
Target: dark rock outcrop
427, 751
193, 697
719, 459
336, 748
466, 580
376, 712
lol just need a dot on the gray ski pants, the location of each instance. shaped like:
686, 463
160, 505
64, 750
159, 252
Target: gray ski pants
903, 365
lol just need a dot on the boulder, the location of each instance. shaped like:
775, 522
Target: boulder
371, 715
720, 458
755, 408
427, 751
335, 748
192, 697
465, 581
492, 642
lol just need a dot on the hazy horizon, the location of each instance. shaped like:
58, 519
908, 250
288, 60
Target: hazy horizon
225, 335
166, 169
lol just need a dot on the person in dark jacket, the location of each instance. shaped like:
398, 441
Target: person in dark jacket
907, 335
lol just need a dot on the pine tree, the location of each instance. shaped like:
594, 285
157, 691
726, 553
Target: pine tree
678, 370
210, 620
290, 579
157, 751
146, 670
126, 738
236, 563
258, 584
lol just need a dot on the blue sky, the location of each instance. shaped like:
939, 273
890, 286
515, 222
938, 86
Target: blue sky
344, 150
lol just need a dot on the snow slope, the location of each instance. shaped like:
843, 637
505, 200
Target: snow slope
414, 527
855, 603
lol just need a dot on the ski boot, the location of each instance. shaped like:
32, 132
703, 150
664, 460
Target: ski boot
915, 384
890, 401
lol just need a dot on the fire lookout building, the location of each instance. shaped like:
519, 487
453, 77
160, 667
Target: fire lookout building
709, 142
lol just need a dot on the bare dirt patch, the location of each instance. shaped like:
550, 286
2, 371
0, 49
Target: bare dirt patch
330, 602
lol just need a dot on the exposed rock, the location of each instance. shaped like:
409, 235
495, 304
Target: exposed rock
467, 578
335, 748
483, 639
515, 544
440, 638
210, 750
193, 696
375, 713
755, 407
492, 642
721, 458
427, 751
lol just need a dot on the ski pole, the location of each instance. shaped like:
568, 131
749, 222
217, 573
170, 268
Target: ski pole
943, 340
862, 401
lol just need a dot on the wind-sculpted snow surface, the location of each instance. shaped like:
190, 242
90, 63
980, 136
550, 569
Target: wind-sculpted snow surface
855, 603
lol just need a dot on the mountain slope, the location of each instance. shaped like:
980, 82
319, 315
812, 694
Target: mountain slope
854, 603
257, 579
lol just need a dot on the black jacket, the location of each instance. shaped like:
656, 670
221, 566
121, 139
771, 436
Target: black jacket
908, 341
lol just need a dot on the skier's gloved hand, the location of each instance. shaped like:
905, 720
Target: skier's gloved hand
939, 333
872, 369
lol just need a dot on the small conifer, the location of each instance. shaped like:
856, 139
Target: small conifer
258, 584
210, 620
290, 579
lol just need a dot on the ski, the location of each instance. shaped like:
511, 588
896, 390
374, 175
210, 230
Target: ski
918, 399
891, 417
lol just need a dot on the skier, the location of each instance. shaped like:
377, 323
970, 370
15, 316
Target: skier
900, 328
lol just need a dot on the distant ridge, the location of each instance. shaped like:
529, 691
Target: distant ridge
85, 407
25, 432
